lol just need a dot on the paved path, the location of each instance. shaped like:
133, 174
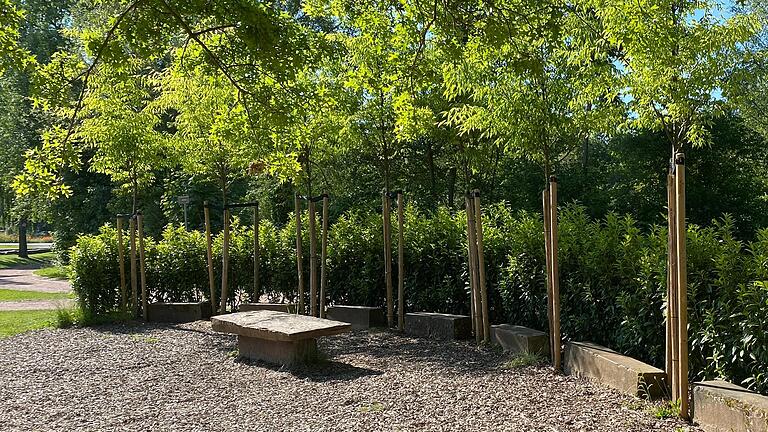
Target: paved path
26, 280
13, 248
36, 305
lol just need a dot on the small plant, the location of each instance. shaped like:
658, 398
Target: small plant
146, 339
635, 405
373, 407
667, 409
524, 359
66, 318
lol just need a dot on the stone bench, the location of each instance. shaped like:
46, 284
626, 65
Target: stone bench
519, 339
178, 312
618, 371
361, 317
722, 406
438, 326
279, 307
277, 337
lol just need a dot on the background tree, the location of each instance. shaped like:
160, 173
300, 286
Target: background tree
25, 43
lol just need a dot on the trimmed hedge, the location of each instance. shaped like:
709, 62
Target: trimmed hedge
613, 277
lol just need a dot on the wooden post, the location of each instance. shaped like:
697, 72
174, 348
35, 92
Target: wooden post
481, 268
555, 273
547, 217
673, 355
312, 260
323, 256
121, 257
476, 297
386, 204
225, 264
682, 282
209, 255
400, 263
299, 257
134, 276
256, 254
142, 267
470, 264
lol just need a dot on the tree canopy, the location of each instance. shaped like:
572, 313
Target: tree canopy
352, 96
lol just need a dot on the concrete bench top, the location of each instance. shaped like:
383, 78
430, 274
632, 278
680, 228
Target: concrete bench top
277, 326
436, 315
617, 358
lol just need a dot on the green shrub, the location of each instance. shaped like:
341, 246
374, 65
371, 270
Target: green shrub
177, 266
612, 277
95, 273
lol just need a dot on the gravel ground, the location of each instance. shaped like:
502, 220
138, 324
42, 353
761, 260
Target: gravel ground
187, 378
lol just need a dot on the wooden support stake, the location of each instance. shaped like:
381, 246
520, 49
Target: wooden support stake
299, 257
142, 267
556, 355
324, 256
547, 217
121, 257
209, 256
134, 274
386, 204
470, 265
475, 272
225, 264
673, 356
312, 260
481, 268
400, 264
682, 282
256, 254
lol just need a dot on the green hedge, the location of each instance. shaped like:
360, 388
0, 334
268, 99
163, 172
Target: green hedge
612, 277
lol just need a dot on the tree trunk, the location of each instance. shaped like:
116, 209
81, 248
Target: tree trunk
134, 193
23, 253
432, 171
451, 186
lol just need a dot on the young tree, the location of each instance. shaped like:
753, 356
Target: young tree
211, 137
381, 64
120, 129
524, 81
674, 57
247, 43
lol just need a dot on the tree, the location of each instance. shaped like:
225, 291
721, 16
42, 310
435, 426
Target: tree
675, 55
12, 54
211, 137
382, 65
26, 40
525, 81
249, 43
120, 128
747, 87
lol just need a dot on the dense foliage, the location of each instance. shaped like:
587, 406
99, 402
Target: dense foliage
121, 106
612, 283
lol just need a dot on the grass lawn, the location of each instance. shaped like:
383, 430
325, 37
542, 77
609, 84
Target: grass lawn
7, 246
7, 295
15, 322
40, 260
55, 272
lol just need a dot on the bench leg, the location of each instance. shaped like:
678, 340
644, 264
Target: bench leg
278, 352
